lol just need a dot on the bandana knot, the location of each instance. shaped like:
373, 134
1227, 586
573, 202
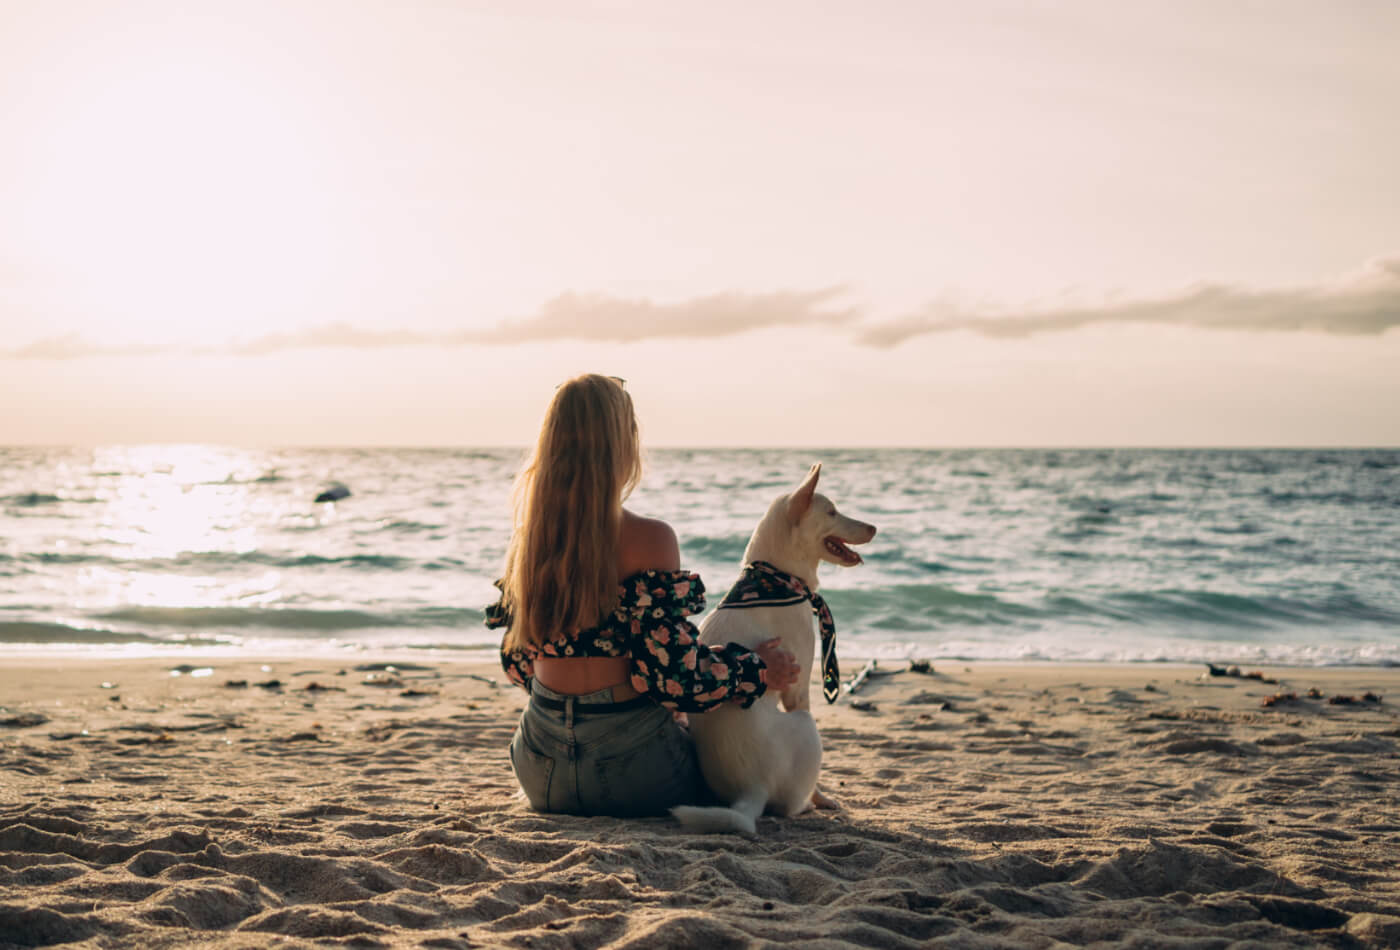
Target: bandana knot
763, 585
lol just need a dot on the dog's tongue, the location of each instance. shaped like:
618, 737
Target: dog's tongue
836, 546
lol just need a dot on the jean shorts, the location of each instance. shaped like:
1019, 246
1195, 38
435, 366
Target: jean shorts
631, 762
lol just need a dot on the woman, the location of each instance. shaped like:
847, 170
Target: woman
596, 604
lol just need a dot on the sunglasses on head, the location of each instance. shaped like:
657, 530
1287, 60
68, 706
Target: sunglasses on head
617, 379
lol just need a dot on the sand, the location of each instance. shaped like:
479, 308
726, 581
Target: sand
983, 806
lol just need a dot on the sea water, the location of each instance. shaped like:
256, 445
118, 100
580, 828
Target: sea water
1185, 555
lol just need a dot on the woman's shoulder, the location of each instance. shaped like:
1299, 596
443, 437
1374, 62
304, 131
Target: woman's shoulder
646, 544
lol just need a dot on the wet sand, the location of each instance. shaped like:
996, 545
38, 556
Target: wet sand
984, 805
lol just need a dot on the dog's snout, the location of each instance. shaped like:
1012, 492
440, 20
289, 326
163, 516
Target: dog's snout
861, 532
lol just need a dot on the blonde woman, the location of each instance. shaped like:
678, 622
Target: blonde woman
596, 605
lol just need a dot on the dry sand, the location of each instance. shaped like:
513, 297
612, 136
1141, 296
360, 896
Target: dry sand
984, 806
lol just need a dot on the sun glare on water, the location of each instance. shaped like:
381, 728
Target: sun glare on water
171, 503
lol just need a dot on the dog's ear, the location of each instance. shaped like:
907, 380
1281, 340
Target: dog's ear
801, 499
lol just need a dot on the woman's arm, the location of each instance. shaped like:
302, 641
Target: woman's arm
518, 666
668, 660
671, 664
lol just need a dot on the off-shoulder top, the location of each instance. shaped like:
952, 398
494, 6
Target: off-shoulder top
649, 626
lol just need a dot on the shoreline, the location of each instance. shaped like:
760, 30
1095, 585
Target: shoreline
485, 653
984, 803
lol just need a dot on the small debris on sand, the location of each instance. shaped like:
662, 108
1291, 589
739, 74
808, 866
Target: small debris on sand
1235, 672
929, 699
24, 720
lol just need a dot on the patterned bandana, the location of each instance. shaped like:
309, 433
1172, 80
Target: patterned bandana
763, 585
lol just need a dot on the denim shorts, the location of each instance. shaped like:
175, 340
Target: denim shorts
632, 762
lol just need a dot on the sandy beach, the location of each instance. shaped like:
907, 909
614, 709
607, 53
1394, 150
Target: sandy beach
286, 802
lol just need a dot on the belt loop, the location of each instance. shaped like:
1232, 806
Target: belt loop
569, 724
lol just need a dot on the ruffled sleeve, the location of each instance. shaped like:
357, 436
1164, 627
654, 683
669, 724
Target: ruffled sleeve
668, 660
518, 665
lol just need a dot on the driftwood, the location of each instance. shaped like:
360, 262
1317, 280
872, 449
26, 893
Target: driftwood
857, 681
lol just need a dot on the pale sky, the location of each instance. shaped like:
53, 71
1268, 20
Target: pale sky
923, 223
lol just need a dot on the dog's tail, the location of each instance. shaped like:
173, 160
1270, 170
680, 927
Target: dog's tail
740, 817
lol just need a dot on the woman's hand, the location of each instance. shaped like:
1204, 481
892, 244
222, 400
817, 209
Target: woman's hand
780, 669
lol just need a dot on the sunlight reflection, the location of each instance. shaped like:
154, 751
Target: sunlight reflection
149, 589
175, 500
190, 504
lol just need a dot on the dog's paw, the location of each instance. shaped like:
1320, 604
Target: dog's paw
821, 800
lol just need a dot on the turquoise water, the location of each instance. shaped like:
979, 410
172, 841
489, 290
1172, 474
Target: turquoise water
1253, 556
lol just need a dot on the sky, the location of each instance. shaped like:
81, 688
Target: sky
335, 222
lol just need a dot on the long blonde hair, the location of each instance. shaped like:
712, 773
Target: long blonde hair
561, 565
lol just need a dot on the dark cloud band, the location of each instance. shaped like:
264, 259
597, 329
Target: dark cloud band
578, 317
1364, 303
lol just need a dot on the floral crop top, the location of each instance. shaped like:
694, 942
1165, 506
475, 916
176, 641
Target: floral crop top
649, 625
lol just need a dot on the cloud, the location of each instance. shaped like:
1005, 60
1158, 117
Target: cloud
331, 334
609, 319
72, 346
579, 317
1366, 302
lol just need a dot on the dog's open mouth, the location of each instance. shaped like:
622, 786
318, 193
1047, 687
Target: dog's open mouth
837, 548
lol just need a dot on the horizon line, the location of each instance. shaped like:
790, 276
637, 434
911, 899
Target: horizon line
481, 447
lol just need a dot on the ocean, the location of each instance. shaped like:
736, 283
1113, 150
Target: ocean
1257, 556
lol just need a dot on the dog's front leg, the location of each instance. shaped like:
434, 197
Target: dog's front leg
800, 697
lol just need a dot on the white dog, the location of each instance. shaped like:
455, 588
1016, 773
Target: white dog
766, 758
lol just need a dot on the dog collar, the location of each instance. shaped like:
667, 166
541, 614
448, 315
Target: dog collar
763, 585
